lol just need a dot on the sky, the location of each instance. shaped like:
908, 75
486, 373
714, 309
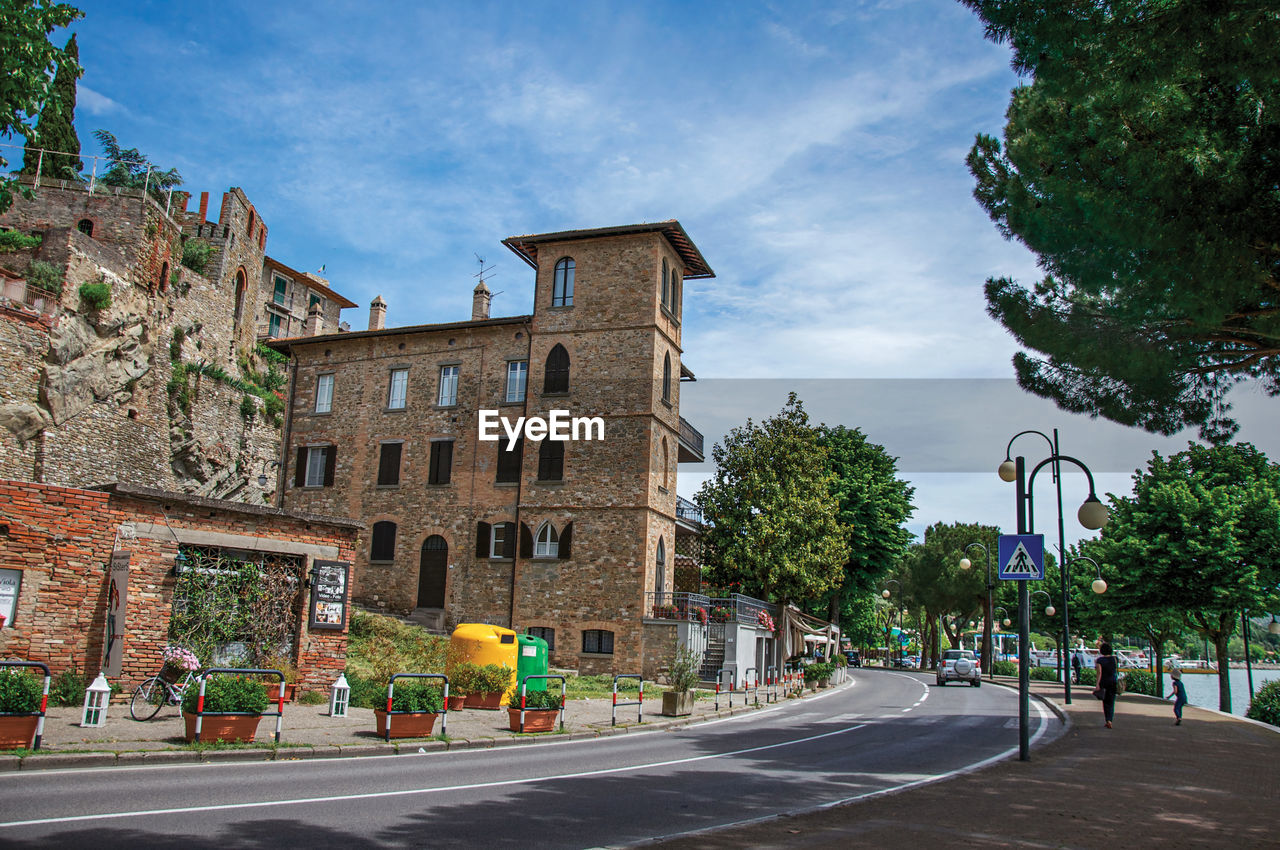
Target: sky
814, 152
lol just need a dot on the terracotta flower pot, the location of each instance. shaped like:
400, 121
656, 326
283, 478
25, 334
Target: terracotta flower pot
223, 727
676, 705
414, 725
17, 731
459, 702
489, 700
535, 720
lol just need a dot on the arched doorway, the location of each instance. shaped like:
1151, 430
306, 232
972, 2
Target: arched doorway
431, 572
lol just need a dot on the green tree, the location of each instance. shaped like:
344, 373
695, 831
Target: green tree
1139, 164
931, 578
28, 63
1200, 537
874, 505
58, 139
131, 169
772, 519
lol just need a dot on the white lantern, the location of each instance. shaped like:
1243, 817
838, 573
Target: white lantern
339, 697
95, 703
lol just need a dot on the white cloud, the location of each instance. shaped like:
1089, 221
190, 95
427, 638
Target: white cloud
95, 103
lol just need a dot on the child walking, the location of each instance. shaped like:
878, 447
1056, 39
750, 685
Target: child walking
1179, 696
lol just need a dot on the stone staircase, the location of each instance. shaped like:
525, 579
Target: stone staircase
431, 619
713, 658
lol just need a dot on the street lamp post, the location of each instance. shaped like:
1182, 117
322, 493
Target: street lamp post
1092, 515
965, 564
885, 593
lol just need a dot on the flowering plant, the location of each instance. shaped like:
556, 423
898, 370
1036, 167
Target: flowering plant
766, 621
702, 615
181, 658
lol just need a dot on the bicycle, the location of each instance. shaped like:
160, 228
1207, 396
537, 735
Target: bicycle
155, 693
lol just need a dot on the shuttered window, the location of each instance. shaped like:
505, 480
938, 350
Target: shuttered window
389, 464
441, 462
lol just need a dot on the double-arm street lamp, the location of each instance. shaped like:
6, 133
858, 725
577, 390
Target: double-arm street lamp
1092, 515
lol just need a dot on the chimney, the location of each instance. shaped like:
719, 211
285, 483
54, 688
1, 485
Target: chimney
480, 302
315, 321
377, 314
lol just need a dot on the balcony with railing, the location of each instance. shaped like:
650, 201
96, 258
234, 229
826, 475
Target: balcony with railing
688, 516
690, 443
17, 293
699, 608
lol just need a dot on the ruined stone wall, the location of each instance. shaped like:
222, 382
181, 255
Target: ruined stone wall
101, 409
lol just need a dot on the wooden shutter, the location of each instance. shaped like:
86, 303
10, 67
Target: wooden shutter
556, 374
389, 464
330, 464
482, 540
509, 462
300, 472
566, 542
441, 462
526, 541
509, 540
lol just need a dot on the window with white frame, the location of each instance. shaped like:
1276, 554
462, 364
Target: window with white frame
324, 393
448, 396
517, 380
547, 543
398, 390
498, 546
317, 456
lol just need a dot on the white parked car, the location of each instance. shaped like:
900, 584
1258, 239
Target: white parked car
959, 665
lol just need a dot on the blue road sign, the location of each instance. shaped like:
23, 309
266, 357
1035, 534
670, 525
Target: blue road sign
1022, 557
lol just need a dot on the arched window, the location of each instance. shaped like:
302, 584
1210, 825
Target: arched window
675, 292
85, 226
383, 547
562, 284
241, 285
660, 579
249, 229
557, 372
546, 544
665, 273
164, 277
432, 568
666, 378
551, 460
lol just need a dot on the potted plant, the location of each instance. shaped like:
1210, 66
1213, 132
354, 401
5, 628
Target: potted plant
422, 701
20, 697
290, 670
233, 705
721, 614
540, 711
493, 683
682, 675
464, 681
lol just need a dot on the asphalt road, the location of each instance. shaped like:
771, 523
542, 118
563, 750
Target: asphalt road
885, 731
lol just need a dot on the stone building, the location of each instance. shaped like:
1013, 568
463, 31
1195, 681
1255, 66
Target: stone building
289, 298
566, 538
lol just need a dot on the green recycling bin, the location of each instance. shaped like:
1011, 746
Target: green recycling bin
531, 660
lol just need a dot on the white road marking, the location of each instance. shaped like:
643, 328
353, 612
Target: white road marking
409, 792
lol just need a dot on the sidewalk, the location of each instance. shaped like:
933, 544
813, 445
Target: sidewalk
309, 732
1214, 782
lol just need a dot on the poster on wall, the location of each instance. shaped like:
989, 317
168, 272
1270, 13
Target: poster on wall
117, 598
329, 595
10, 584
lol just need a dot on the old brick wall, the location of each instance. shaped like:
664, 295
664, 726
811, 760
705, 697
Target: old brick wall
62, 539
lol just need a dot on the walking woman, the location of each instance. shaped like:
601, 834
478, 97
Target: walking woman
1107, 682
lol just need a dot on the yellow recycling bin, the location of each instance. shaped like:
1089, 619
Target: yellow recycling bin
483, 644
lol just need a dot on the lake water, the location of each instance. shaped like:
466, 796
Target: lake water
1202, 689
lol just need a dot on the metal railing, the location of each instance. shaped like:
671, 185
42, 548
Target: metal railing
741, 609
685, 607
688, 511
691, 436
19, 293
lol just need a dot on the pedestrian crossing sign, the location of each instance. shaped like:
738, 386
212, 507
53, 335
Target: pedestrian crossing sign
1022, 557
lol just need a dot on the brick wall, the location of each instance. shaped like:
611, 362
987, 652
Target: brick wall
62, 538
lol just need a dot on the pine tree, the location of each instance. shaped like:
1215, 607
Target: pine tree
56, 128
1140, 165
